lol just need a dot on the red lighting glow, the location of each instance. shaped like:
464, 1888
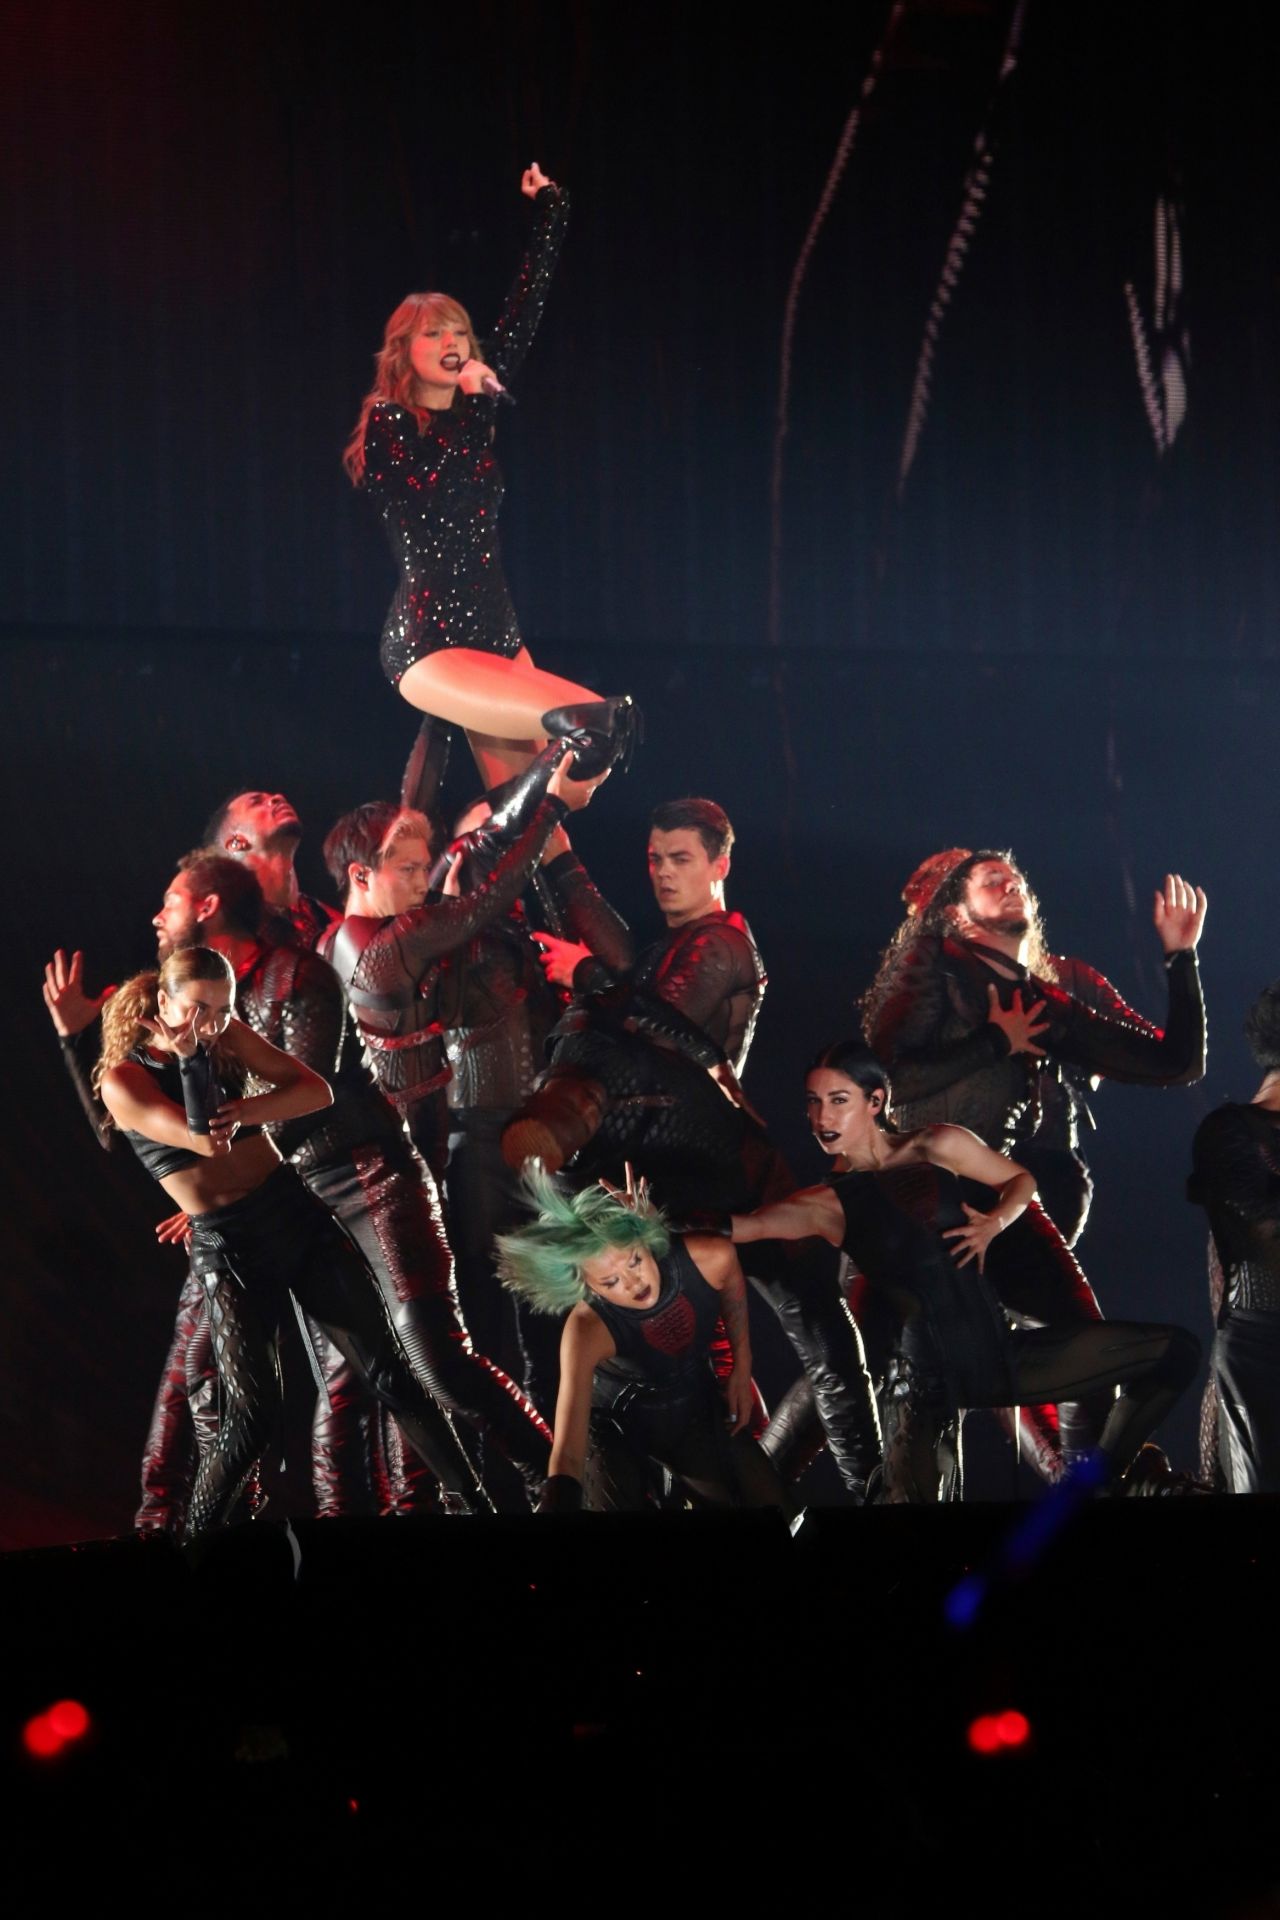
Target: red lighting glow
68, 1720
998, 1732
46, 1734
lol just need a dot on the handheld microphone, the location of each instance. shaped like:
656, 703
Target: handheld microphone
495, 389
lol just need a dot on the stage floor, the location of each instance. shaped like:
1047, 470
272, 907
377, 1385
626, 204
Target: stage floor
697, 1701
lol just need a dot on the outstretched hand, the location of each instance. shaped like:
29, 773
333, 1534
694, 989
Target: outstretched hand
1019, 1025
533, 180
71, 1009
1179, 913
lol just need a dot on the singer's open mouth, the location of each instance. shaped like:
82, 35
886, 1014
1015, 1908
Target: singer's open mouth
451, 362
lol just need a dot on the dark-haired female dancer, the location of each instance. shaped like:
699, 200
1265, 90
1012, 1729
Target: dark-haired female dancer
422, 450
636, 1381
1236, 1179
170, 1047
894, 1206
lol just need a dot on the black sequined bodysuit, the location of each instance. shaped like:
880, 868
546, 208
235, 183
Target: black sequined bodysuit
438, 487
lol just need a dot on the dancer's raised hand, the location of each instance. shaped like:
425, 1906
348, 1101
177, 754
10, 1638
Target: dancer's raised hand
71, 1009
533, 180
1179, 913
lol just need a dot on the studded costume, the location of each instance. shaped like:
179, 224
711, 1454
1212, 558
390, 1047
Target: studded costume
438, 487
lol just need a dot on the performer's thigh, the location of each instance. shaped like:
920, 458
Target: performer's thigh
1061, 1363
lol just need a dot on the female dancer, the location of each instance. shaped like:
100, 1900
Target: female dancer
636, 1385
894, 1205
1236, 1179
422, 451
170, 1046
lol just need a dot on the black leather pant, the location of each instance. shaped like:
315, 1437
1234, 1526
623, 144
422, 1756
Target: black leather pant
483, 1196
169, 1456
683, 1431
393, 1216
248, 1257
1246, 1372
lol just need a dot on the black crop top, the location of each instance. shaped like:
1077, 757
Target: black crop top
665, 1345
193, 1086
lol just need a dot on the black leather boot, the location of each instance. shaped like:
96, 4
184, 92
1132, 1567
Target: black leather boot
603, 732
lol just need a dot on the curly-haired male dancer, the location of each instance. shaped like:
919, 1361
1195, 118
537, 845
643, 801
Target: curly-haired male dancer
979, 1025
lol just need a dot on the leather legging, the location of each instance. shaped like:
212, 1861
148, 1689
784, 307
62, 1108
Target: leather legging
484, 1199
1151, 1365
169, 1456
393, 1215
248, 1257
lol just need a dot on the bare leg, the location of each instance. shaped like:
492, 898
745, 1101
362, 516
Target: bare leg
489, 695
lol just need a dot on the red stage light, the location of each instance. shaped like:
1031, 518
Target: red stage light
68, 1720
41, 1738
984, 1734
991, 1732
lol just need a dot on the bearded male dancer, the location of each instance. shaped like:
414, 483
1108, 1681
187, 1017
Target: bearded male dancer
979, 1026
647, 1070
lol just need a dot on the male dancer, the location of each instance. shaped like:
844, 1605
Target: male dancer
263, 830
647, 1070
976, 1025
356, 1158
497, 1011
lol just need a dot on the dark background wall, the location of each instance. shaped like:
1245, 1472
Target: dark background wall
1056, 641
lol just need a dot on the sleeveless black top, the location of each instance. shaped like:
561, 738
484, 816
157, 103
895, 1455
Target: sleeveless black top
158, 1159
662, 1347
952, 1322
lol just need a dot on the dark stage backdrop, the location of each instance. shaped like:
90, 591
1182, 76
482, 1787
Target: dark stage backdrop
1057, 640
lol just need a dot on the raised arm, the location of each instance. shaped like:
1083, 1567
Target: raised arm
74, 1014
585, 1342
518, 321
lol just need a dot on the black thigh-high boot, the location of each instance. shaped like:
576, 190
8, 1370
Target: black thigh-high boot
829, 1348
169, 1456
